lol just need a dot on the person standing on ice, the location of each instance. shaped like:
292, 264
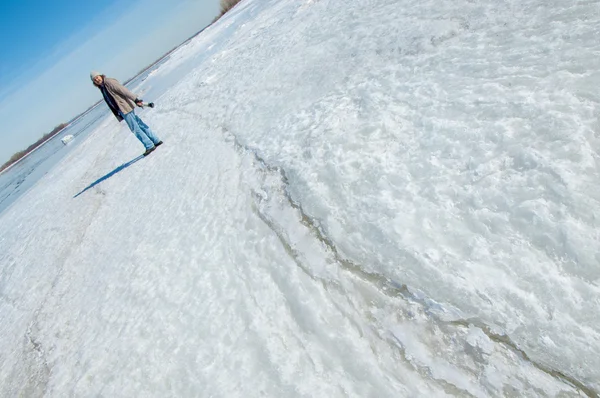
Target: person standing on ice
121, 102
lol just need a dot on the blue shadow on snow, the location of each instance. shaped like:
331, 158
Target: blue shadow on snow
112, 173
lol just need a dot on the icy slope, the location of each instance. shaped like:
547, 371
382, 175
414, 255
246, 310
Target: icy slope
366, 198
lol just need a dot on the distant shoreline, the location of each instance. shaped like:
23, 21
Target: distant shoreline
21, 155
17, 157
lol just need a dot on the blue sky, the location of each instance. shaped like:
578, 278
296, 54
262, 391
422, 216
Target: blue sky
48, 48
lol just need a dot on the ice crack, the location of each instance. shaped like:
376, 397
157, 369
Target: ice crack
442, 315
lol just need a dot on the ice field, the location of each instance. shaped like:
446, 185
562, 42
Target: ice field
366, 198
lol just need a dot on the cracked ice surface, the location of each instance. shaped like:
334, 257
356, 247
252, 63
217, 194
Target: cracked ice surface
368, 198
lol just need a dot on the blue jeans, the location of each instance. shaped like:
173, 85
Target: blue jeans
140, 129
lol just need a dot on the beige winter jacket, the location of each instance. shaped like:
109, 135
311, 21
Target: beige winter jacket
122, 96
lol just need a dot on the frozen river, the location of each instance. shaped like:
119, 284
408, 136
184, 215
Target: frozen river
382, 198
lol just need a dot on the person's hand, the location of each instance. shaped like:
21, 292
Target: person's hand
139, 102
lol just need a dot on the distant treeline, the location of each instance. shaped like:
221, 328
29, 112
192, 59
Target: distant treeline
226, 5
19, 155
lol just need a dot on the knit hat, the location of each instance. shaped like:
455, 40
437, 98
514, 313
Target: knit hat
93, 74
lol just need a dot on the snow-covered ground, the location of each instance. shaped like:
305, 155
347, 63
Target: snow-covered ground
370, 198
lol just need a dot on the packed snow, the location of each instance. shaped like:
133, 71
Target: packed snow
374, 198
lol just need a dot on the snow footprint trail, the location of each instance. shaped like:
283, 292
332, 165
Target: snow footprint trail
462, 356
39, 237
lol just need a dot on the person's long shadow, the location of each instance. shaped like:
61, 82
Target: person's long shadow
112, 173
